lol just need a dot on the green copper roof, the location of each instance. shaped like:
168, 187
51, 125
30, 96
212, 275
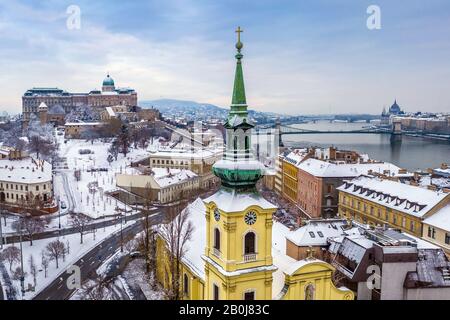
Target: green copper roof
239, 88
108, 81
239, 101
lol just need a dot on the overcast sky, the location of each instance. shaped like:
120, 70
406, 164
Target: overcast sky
300, 57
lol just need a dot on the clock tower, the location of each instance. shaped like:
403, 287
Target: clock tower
238, 253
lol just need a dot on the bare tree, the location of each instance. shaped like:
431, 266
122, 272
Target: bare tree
55, 250
30, 225
177, 232
148, 247
124, 140
17, 274
40, 146
79, 221
44, 262
33, 269
113, 150
11, 255
98, 288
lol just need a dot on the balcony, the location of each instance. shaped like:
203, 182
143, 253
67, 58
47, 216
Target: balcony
249, 257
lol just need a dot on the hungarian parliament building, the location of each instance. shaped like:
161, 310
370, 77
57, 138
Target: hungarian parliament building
62, 101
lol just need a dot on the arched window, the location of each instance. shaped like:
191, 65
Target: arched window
217, 239
309, 292
247, 143
235, 142
250, 243
186, 284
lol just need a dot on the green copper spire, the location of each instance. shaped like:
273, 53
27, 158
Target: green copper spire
239, 102
238, 169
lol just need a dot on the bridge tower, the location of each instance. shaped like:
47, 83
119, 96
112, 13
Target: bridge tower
397, 127
278, 132
396, 133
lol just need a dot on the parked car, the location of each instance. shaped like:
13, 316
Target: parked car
63, 205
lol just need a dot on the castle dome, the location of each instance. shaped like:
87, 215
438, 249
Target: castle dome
108, 81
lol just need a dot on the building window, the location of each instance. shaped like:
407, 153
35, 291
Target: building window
186, 285
249, 295
217, 239
250, 243
215, 292
330, 188
431, 232
447, 238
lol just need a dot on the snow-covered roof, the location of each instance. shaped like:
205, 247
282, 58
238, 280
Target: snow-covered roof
231, 200
83, 123
440, 219
168, 176
159, 151
297, 156
110, 112
196, 245
316, 233
442, 172
26, 170
413, 200
327, 169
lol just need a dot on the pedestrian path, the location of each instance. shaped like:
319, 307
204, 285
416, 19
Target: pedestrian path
11, 293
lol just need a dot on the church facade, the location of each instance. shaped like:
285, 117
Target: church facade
237, 251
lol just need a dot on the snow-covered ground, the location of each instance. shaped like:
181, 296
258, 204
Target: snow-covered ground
136, 278
77, 250
88, 196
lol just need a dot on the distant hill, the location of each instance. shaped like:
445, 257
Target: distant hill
190, 108
182, 106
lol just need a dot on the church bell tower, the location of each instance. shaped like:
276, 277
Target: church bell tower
238, 253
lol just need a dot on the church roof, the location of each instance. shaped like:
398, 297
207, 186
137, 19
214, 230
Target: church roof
231, 200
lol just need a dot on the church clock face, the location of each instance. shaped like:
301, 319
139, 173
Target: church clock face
250, 218
216, 214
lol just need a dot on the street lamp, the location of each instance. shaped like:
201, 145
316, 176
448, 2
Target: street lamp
121, 234
1, 231
59, 214
22, 276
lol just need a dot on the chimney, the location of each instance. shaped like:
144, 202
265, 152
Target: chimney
432, 187
446, 190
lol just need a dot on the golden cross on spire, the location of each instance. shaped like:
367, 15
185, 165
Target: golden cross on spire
238, 31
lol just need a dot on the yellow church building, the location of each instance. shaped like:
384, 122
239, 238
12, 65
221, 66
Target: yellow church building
237, 251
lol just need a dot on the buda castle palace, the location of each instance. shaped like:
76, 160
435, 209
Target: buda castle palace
60, 101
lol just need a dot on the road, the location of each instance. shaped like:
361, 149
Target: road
87, 228
90, 262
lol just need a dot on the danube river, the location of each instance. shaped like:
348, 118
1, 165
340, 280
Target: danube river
411, 152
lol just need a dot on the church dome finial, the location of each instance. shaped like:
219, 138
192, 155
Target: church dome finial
239, 44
